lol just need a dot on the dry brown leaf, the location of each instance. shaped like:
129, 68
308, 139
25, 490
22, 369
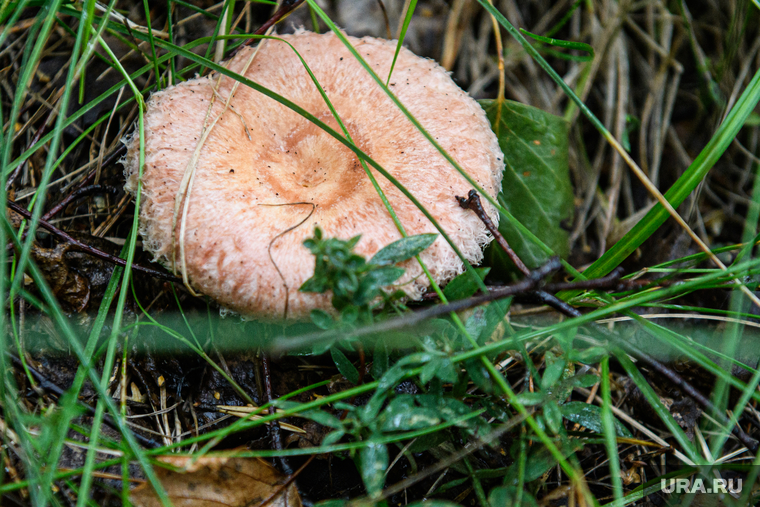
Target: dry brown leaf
215, 482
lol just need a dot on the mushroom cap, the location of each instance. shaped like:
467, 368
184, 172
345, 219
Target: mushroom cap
287, 161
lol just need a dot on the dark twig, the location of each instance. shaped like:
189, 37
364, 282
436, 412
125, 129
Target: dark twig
90, 249
611, 281
412, 319
287, 7
274, 428
749, 442
56, 391
76, 194
472, 202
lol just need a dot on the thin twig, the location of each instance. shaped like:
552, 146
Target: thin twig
472, 202
91, 250
76, 194
288, 6
525, 285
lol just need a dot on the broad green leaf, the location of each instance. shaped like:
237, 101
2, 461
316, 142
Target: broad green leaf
553, 416
510, 495
530, 399
591, 355
536, 187
479, 374
370, 285
322, 319
539, 461
429, 441
380, 359
590, 417
484, 320
323, 418
402, 414
374, 463
403, 249
463, 286
333, 437
555, 367
345, 367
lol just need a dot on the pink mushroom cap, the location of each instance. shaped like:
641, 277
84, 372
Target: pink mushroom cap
247, 186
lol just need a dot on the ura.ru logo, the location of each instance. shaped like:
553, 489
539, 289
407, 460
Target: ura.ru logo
699, 485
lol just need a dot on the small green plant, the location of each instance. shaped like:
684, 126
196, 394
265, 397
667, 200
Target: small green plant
357, 285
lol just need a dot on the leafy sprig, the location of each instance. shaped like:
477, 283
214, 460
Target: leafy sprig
358, 286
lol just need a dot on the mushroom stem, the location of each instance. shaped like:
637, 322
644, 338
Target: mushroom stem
472, 202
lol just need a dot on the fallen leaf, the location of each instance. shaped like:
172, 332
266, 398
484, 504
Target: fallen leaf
536, 188
71, 288
215, 482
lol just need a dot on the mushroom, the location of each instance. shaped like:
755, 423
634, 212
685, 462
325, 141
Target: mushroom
263, 177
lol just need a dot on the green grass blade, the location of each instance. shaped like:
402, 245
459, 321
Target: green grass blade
146, 8
609, 432
402, 35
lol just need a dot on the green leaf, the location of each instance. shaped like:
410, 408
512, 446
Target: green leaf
463, 286
374, 462
345, 367
429, 441
434, 503
555, 367
322, 319
529, 399
479, 374
484, 320
333, 437
510, 495
316, 284
445, 370
380, 359
591, 355
402, 414
369, 287
539, 461
586, 380
553, 416
440, 367
403, 249
590, 417
323, 418
536, 187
